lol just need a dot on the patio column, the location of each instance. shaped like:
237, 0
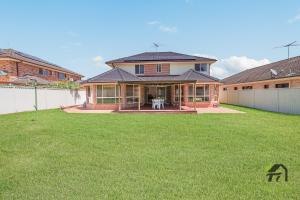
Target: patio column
139, 97
120, 107
94, 95
186, 94
194, 97
123, 95
180, 96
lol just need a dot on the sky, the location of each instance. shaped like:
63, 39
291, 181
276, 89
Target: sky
82, 35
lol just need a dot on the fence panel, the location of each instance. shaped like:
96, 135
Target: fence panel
246, 98
277, 100
266, 100
23, 99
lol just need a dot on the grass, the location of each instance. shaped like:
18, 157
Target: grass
56, 155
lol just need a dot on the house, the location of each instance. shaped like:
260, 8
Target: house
14, 64
281, 74
181, 81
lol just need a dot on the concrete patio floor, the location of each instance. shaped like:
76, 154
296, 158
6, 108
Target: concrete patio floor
217, 110
78, 109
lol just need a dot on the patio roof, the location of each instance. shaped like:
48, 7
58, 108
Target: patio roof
120, 75
113, 75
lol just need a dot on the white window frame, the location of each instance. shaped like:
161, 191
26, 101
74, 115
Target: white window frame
133, 97
199, 96
158, 68
116, 97
139, 66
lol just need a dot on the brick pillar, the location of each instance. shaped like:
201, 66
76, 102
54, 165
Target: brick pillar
123, 95
172, 94
185, 94
94, 95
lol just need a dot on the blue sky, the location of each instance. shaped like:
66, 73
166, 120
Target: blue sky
82, 35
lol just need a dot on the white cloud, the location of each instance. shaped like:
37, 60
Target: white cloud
153, 23
98, 60
162, 27
294, 19
235, 64
168, 29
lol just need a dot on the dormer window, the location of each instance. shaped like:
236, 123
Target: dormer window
201, 67
158, 68
139, 69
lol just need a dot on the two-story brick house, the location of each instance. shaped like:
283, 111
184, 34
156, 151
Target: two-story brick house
135, 81
15, 64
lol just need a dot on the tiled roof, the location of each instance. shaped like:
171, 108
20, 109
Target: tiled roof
160, 56
193, 75
113, 75
120, 75
11, 53
284, 68
28, 79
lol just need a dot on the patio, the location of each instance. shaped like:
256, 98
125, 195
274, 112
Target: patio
147, 109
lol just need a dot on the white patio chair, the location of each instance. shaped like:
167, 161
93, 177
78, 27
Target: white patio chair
162, 103
155, 103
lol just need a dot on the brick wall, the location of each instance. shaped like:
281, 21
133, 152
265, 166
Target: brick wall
150, 70
20, 69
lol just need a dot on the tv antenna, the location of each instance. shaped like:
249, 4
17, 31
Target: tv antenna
156, 45
292, 44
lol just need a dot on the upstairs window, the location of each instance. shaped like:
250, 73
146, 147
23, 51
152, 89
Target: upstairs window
235, 88
158, 68
61, 76
201, 67
43, 72
282, 85
139, 69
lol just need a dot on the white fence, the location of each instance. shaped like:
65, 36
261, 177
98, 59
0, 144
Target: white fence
277, 100
23, 99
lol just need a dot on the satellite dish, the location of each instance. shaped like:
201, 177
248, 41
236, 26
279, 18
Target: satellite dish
274, 72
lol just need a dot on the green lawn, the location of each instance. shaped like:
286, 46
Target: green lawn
56, 155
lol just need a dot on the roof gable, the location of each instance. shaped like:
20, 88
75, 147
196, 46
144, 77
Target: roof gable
193, 75
113, 75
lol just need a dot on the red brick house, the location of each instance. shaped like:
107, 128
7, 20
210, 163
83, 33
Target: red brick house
15, 64
181, 81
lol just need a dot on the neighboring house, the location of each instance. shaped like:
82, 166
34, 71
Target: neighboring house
132, 83
281, 74
14, 64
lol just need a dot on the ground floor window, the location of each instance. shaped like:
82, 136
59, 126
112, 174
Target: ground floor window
108, 94
132, 94
201, 93
247, 88
282, 85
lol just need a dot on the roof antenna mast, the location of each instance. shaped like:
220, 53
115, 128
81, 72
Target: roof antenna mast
293, 44
156, 46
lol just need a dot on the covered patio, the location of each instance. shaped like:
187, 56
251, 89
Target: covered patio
129, 93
